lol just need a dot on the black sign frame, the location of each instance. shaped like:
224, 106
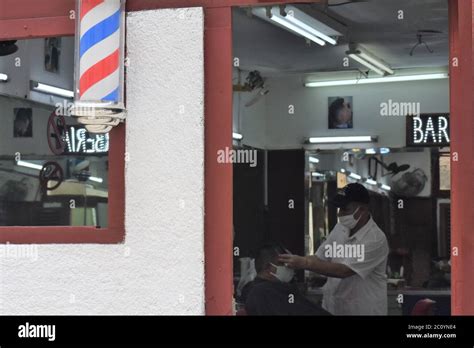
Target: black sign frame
409, 129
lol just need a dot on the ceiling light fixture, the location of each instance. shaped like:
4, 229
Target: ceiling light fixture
300, 23
29, 165
93, 178
370, 61
307, 23
237, 136
370, 151
293, 27
367, 64
319, 175
355, 176
48, 89
3, 77
342, 139
377, 80
371, 182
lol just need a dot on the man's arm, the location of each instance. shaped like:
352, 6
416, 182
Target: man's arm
314, 264
333, 236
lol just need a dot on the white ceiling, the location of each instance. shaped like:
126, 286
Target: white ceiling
374, 24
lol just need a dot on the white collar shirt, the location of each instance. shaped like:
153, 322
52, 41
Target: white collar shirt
365, 292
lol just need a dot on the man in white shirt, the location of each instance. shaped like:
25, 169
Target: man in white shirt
354, 258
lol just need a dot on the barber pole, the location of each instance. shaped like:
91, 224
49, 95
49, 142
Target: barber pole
99, 64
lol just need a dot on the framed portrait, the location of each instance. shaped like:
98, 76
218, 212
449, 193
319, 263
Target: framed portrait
52, 51
23, 123
340, 115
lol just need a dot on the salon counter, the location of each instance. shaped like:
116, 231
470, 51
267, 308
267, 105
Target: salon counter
409, 298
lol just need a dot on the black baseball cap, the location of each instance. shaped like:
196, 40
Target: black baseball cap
350, 193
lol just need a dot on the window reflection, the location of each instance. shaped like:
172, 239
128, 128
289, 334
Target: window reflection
41, 188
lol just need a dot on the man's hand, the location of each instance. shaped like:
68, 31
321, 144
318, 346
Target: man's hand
293, 261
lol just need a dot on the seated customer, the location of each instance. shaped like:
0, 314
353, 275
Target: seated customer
270, 293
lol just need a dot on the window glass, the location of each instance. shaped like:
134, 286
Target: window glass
52, 171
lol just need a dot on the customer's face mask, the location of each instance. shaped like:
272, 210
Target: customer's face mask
284, 274
348, 220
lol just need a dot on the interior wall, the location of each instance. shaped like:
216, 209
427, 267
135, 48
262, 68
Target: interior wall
160, 267
61, 79
17, 70
38, 143
284, 130
28, 64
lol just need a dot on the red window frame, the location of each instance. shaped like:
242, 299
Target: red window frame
27, 17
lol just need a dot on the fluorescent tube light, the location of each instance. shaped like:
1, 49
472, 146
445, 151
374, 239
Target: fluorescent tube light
48, 89
355, 176
342, 139
377, 80
364, 57
300, 23
3, 77
237, 136
367, 64
317, 174
384, 150
342, 170
29, 165
93, 178
311, 30
371, 182
385, 187
292, 27
313, 159
374, 61
307, 23
370, 151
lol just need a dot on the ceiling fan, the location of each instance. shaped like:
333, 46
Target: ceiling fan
392, 169
410, 184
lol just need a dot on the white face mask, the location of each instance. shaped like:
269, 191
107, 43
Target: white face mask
284, 274
348, 220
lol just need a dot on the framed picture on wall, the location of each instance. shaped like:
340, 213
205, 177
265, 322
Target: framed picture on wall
22, 123
340, 115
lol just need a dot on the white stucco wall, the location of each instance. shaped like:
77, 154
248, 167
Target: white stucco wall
160, 268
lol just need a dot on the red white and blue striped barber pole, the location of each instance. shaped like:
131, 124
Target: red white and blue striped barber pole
99, 64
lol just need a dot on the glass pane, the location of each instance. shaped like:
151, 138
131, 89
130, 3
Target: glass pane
52, 171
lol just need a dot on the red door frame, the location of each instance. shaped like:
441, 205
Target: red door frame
462, 169
27, 20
